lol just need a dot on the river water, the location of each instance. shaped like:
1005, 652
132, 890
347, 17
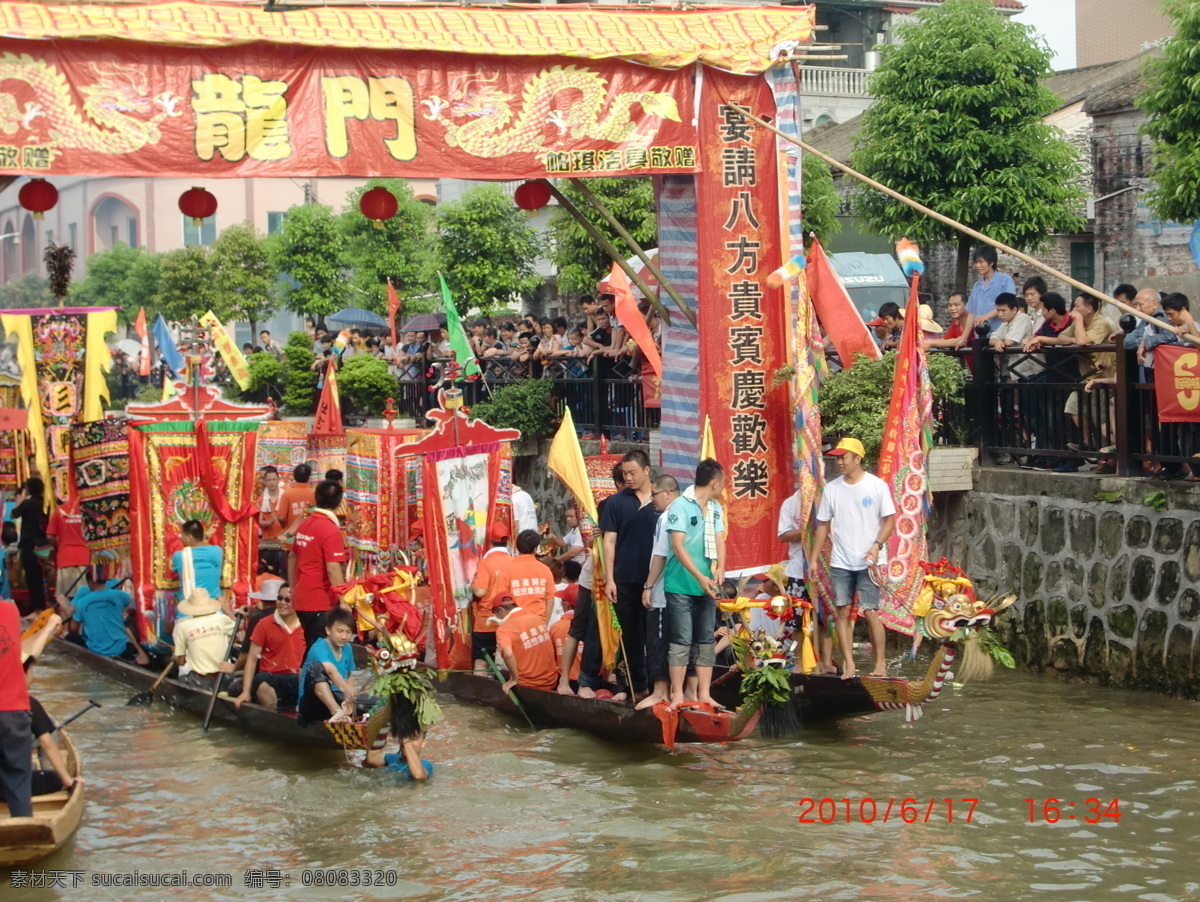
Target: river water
558, 815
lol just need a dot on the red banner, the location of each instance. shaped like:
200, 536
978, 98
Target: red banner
260, 110
743, 325
1177, 383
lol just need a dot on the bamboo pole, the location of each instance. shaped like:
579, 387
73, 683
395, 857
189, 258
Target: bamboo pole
967, 230
612, 252
637, 248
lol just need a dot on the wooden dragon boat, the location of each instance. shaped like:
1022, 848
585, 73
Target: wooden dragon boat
55, 818
266, 722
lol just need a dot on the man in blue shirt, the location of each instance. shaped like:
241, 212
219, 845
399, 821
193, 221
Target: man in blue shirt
100, 613
982, 302
207, 562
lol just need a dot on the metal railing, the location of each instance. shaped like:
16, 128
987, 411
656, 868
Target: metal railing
832, 80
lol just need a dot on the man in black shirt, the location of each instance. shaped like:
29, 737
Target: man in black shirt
628, 525
30, 510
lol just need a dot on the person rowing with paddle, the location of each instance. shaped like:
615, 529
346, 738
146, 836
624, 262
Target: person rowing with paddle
201, 638
101, 613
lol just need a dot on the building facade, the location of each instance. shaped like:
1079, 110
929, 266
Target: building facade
1110, 30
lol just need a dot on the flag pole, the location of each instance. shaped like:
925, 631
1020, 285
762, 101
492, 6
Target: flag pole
965, 229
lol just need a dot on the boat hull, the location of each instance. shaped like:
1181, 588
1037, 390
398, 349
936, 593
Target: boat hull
815, 697
56, 816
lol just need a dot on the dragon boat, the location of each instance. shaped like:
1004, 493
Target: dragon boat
56, 817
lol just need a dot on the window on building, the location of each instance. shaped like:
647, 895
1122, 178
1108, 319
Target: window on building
204, 234
275, 222
73, 236
1083, 262
49, 237
132, 231
823, 119
114, 235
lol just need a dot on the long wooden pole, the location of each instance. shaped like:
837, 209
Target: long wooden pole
967, 230
637, 248
612, 252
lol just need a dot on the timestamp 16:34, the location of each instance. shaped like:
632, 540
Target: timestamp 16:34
1090, 811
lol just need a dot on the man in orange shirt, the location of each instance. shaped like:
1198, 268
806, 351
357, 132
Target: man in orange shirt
558, 633
483, 631
296, 500
525, 644
525, 578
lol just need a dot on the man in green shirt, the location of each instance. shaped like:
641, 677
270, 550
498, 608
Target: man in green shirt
694, 572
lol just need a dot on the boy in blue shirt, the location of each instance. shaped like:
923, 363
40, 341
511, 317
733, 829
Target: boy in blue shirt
325, 688
100, 613
207, 561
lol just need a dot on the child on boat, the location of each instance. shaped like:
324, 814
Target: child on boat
326, 692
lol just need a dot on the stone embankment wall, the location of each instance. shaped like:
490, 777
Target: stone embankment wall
1108, 585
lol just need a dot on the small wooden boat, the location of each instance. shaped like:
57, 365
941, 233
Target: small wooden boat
55, 817
267, 722
608, 720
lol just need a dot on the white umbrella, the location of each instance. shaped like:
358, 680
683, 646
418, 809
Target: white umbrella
635, 263
130, 346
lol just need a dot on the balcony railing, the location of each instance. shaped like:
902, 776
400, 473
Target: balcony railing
824, 80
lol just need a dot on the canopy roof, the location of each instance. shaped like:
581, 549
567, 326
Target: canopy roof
737, 39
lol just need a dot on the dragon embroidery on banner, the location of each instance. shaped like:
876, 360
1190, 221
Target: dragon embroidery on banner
493, 129
106, 121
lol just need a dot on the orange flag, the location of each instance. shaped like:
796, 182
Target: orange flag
393, 311
617, 284
139, 326
836, 311
329, 407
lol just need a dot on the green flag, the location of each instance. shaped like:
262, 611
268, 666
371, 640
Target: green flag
463, 354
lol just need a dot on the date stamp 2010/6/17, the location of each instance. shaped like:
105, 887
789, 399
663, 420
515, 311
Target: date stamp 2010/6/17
867, 810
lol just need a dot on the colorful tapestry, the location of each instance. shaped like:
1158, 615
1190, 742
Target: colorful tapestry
282, 445
464, 491
907, 437
101, 453
366, 465
326, 452
14, 458
380, 497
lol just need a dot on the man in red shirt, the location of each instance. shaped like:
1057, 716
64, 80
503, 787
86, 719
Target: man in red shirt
276, 653
525, 644
526, 578
65, 534
317, 562
483, 631
16, 731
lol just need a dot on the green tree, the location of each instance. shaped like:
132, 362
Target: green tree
527, 405
299, 380
403, 250
581, 262
266, 380
309, 253
185, 284
487, 249
365, 382
32, 290
957, 124
1170, 102
244, 278
819, 200
124, 277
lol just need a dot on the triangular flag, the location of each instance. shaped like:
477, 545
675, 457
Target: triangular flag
463, 355
617, 284
708, 447
836, 311
393, 312
329, 407
139, 326
566, 461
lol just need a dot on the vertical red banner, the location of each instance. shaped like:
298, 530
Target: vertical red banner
743, 326
1177, 383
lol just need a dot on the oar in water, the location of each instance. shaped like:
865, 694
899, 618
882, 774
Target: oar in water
212, 700
92, 703
146, 696
511, 695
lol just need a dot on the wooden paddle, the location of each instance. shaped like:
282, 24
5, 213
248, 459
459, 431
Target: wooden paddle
92, 703
146, 696
511, 695
212, 701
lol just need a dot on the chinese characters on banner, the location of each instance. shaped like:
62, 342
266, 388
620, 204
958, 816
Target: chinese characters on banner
743, 326
1177, 383
270, 111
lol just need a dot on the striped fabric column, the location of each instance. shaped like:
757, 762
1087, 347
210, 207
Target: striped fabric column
681, 343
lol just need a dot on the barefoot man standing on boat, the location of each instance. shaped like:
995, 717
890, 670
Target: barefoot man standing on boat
857, 508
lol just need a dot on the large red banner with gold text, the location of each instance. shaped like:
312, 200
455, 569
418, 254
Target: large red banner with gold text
268, 110
1177, 383
743, 326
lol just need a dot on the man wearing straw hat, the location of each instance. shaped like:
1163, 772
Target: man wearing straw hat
201, 638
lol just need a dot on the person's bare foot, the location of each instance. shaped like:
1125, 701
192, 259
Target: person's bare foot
565, 689
649, 701
849, 673
879, 673
709, 700
142, 660
676, 701
619, 697
586, 692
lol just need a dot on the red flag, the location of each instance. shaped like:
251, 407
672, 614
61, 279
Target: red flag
393, 312
329, 407
139, 326
617, 284
836, 312
1176, 380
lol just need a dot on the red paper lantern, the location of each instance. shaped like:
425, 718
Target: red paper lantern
38, 196
377, 205
197, 203
532, 195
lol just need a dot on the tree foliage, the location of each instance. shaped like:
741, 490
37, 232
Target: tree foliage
31, 290
244, 278
299, 380
1172, 103
580, 260
819, 200
487, 249
185, 285
403, 250
309, 252
525, 405
365, 382
957, 124
124, 277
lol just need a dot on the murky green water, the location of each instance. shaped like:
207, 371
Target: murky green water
558, 815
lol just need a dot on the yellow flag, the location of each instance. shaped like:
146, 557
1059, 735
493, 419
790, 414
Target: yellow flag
708, 447
97, 361
566, 460
22, 327
228, 349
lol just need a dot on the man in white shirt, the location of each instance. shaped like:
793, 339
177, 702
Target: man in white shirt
1016, 329
858, 511
654, 599
524, 512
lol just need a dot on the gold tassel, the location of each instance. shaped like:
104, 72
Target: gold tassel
976, 663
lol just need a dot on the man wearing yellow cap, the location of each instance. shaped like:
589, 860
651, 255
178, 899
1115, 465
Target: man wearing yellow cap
858, 511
